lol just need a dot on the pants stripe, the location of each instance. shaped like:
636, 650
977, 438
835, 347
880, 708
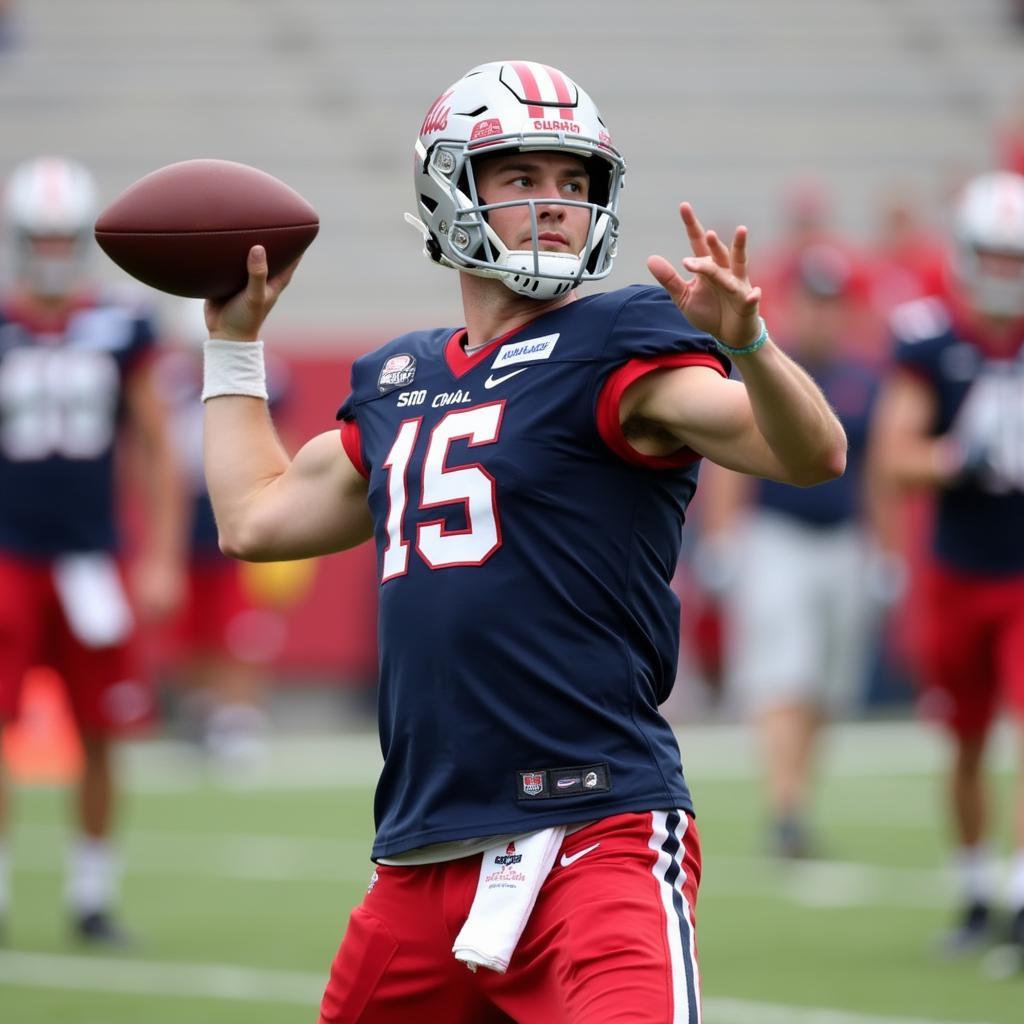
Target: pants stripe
668, 833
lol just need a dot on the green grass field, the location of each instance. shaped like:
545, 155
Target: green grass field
240, 893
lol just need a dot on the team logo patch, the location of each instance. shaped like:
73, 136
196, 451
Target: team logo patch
396, 372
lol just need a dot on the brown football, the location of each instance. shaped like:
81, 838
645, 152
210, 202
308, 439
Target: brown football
186, 228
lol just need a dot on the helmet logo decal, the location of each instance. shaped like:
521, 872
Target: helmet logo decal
486, 128
437, 116
541, 86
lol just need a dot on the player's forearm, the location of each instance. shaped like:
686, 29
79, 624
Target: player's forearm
793, 417
242, 456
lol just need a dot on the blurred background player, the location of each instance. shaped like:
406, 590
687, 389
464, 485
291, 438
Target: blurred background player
951, 419
75, 376
790, 564
217, 647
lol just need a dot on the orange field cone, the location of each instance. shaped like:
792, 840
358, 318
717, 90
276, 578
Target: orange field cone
43, 744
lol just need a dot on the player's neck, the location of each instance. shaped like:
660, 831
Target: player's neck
492, 310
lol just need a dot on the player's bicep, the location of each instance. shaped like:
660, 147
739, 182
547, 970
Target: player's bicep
318, 505
706, 412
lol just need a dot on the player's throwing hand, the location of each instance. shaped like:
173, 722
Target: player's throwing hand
720, 299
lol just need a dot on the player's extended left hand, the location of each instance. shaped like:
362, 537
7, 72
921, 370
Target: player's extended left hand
719, 298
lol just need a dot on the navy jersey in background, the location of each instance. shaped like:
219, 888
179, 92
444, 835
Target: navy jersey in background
61, 401
528, 630
979, 395
850, 388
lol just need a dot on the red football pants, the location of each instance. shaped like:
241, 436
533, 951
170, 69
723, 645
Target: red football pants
611, 939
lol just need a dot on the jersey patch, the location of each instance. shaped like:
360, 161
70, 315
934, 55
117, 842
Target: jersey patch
527, 351
397, 372
550, 783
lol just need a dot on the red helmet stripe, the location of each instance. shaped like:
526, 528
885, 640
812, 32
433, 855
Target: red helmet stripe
530, 88
561, 91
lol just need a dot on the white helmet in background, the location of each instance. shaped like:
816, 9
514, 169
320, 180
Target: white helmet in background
513, 106
989, 234
50, 198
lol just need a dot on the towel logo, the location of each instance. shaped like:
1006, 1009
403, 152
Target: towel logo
507, 876
509, 857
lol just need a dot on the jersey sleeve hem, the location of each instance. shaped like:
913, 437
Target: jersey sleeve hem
610, 398
352, 442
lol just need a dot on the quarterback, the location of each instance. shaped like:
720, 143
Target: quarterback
524, 477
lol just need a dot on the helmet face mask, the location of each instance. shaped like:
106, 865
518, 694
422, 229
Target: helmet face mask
989, 235
502, 107
49, 208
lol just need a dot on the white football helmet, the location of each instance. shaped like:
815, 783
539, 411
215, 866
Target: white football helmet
989, 220
49, 197
513, 105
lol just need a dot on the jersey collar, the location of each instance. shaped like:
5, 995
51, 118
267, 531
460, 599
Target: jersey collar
460, 364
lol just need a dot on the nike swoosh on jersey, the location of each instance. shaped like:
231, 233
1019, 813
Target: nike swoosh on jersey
567, 860
493, 382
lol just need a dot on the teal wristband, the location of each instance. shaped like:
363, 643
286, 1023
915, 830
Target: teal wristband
746, 350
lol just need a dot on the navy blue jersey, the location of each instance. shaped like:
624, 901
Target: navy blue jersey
528, 629
850, 388
979, 398
61, 400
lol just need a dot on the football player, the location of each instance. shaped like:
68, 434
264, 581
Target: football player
792, 565
951, 420
524, 478
74, 378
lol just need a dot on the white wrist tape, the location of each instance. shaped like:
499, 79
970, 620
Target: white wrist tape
233, 368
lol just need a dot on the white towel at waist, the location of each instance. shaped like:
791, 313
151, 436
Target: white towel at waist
511, 875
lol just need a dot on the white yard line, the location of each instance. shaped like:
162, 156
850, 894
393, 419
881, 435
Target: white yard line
262, 985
